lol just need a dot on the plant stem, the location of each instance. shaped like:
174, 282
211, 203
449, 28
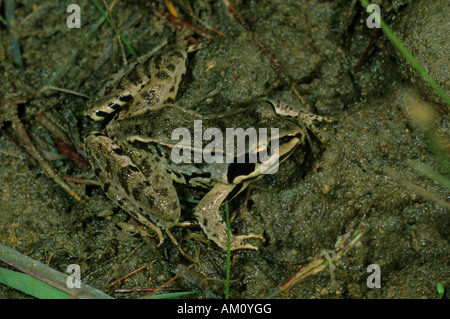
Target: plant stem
415, 64
227, 280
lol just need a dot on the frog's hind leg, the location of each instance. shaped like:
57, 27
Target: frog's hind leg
125, 183
207, 214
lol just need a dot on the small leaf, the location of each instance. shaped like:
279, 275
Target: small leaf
440, 289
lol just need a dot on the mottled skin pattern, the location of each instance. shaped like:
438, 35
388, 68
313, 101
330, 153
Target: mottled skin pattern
153, 81
132, 159
146, 192
136, 189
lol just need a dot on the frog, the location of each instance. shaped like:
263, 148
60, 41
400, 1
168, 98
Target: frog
133, 156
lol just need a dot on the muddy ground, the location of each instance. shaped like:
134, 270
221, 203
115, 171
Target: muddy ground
359, 178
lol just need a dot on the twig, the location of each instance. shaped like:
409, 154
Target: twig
124, 57
168, 282
122, 263
191, 12
183, 23
19, 145
177, 21
130, 290
42, 163
82, 180
63, 144
317, 265
171, 8
128, 275
366, 52
54, 88
47, 275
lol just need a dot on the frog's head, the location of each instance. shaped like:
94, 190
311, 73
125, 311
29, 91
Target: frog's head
278, 137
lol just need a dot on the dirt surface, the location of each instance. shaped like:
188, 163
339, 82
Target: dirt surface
359, 178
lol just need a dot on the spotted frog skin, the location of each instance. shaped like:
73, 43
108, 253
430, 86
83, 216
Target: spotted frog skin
132, 157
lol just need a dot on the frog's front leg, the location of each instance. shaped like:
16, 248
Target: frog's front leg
207, 214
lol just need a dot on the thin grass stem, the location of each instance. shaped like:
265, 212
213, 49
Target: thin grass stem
227, 279
414, 63
105, 15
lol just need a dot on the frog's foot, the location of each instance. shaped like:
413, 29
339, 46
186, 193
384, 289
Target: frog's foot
305, 118
237, 242
150, 225
207, 213
309, 118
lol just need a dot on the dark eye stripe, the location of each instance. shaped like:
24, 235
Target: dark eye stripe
118, 151
236, 169
125, 98
114, 106
101, 114
96, 134
133, 168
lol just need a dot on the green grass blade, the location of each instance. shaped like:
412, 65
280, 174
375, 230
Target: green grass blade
46, 274
415, 64
438, 150
425, 170
105, 15
189, 200
87, 36
30, 285
227, 280
173, 295
440, 290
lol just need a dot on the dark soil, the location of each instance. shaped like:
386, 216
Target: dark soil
318, 195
